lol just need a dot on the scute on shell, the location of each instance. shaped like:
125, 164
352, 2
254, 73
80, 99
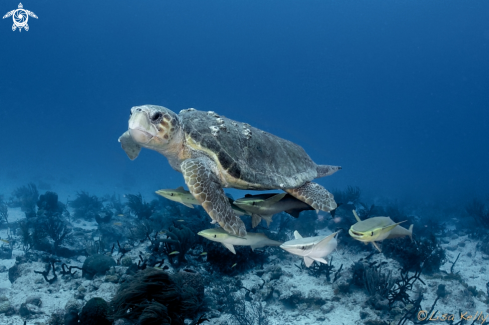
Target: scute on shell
248, 154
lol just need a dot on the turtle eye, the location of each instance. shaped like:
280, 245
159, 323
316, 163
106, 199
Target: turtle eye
156, 116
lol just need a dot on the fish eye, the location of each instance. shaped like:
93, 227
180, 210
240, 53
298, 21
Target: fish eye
171, 194
372, 233
303, 247
253, 203
215, 236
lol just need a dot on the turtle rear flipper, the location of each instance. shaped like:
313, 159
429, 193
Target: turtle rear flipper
326, 170
205, 186
315, 195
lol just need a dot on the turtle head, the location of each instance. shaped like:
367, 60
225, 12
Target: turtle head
152, 126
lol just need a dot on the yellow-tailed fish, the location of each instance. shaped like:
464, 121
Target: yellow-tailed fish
203, 253
377, 229
5, 241
117, 223
234, 265
120, 215
174, 253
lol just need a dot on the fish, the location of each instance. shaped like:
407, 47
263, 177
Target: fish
174, 253
120, 215
234, 265
181, 220
117, 223
252, 239
186, 198
311, 248
377, 229
203, 253
5, 241
264, 206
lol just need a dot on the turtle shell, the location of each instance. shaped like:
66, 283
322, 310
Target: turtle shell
251, 157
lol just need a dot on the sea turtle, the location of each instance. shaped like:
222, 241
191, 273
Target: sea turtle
213, 152
20, 17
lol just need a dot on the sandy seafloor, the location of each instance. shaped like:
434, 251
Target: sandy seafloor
292, 284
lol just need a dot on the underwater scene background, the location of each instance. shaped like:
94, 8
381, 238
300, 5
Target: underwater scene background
394, 92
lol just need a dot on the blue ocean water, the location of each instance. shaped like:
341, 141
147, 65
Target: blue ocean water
394, 91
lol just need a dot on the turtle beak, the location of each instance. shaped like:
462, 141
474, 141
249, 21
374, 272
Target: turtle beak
140, 127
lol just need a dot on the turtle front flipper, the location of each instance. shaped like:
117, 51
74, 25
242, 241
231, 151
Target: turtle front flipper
315, 195
205, 186
131, 147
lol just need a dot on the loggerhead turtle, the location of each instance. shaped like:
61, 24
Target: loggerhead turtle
213, 152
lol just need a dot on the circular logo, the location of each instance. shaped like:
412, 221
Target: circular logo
422, 315
20, 18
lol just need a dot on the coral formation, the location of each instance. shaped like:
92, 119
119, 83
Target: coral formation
26, 197
138, 207
97, 264
95, 312
153, 294
86, 206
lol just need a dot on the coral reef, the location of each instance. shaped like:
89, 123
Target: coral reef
3, 211
138, 207
97, 264
245, 309
86, 206
95, 312
147, 262
477, 210
183, 239
152, 294
413, 255
26, 197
